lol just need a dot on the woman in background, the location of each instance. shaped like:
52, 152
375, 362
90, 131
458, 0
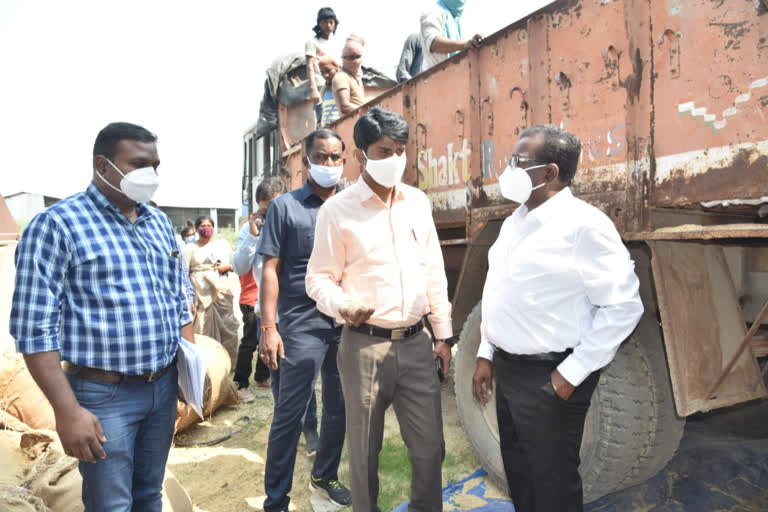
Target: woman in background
210, 262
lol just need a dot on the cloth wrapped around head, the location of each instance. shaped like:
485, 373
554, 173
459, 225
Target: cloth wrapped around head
353, 46
328, 61
455, 7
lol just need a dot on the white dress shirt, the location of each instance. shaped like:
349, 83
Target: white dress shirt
559, 277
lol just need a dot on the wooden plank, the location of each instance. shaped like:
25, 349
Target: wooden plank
703, 326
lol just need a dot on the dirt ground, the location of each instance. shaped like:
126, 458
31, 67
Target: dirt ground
229, 477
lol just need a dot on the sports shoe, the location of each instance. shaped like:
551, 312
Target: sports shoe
264, 383
245, 395
333, 489
313, 442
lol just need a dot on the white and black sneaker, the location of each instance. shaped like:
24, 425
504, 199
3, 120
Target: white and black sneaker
333, 489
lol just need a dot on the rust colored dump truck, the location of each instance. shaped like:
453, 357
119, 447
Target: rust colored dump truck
670, 101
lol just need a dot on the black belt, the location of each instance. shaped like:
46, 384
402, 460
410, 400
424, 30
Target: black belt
96, 374
400, 333
546, 357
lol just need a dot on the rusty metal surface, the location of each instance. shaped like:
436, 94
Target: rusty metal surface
697, 232
742, 348
711, 101
702, 325
669, 99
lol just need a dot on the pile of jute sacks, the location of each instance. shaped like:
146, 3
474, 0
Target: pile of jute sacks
37, 476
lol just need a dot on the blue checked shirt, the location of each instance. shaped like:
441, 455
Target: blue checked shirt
104, 292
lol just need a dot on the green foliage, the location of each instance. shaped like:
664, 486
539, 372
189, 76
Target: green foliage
228, 234
394, 473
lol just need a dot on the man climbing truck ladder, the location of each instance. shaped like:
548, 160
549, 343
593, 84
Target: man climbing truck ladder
675, 153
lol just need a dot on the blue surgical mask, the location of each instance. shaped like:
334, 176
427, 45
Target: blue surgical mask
190, 239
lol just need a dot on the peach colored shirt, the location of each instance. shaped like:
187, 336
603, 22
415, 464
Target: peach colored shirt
388, 258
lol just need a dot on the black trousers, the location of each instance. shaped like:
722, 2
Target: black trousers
248, 345
540, 435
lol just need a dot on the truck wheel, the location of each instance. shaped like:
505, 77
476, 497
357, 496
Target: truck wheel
631, 430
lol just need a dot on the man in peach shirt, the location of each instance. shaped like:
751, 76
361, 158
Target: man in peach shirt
377, 267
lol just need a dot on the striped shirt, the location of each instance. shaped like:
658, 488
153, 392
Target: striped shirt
104, 292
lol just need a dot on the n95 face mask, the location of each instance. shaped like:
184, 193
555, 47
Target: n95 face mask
516, 184
386, 172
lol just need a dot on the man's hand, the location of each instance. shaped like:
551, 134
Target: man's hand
255, 222
315, 96
271, 347
562, 387
443, 351
355, 313
81, 434
482, 380
475, 42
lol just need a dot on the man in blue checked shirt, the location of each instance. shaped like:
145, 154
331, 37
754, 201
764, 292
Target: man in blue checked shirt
98, 310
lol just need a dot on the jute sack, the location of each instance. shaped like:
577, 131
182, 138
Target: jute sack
53, 478
20, 396
219, 388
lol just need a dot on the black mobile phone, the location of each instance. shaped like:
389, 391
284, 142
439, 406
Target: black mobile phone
439, 369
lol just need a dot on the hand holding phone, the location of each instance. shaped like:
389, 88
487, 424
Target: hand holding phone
439, 369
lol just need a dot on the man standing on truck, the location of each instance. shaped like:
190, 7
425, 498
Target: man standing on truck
308, 340
99, 286
324, 43
348, 84
377, 267
327, 110
560, 296
441, 32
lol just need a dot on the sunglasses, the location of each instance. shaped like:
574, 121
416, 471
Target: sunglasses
351, 57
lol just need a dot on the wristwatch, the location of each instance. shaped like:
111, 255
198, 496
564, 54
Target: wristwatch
450, 341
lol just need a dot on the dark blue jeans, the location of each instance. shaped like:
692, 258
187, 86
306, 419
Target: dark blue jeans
307, 354
138, 419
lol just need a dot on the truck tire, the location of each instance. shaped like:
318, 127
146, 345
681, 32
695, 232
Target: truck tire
631, 430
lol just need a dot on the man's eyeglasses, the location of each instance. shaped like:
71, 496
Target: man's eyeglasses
351, 57
516, 160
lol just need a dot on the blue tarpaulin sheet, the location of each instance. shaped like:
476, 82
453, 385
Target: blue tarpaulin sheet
722, 464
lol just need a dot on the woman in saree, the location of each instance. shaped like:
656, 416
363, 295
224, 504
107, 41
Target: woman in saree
210, 264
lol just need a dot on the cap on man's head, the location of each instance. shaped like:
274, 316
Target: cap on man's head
326, 13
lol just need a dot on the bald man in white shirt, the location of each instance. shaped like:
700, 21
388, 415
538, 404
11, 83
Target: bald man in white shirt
560, 296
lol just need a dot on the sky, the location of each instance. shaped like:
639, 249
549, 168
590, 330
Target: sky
189, 71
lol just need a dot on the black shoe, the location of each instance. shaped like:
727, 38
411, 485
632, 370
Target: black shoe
313, 442
335, 491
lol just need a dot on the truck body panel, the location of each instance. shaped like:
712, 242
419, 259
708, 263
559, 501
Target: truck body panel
670, 101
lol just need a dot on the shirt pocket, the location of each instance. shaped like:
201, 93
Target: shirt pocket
417, 239
305, 240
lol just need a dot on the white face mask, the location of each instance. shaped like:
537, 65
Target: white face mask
138, 185
325, 175
388, 171
516, 185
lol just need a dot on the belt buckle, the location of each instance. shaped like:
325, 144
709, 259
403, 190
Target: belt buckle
398, 334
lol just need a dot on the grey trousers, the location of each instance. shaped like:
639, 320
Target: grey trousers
376, 372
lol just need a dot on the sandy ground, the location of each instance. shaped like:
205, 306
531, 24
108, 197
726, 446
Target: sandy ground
229, 477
